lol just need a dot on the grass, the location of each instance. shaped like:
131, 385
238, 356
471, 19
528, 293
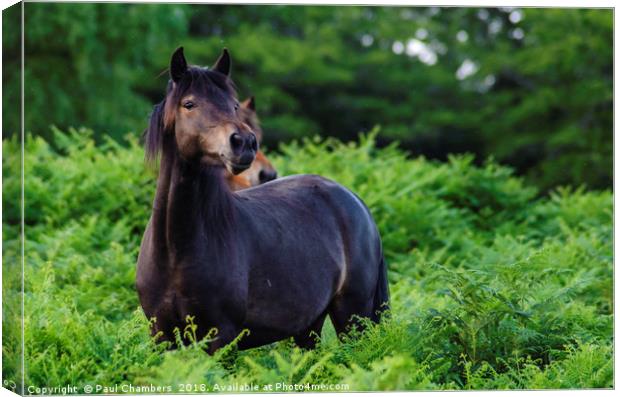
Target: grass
493, 286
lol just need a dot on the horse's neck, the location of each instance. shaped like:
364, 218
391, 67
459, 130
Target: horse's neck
192, 201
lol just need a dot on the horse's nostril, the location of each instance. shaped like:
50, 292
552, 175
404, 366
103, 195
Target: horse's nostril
236, 141
253, 142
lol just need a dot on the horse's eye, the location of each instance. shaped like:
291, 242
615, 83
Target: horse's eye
236, 107
188, 105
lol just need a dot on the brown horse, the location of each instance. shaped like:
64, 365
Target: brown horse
261, 170
319, 251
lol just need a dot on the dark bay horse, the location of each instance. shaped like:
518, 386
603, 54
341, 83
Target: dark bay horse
261, 170
319, 251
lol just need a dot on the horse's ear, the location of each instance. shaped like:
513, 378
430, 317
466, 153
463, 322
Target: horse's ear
249, 103
222, 64
178, 65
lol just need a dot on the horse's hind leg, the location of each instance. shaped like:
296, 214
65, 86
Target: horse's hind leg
308, 338
345, 312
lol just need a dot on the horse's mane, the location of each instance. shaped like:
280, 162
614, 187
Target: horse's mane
215, 85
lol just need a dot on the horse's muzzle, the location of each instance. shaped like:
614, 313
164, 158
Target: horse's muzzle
239, 168
244, 147
267, 175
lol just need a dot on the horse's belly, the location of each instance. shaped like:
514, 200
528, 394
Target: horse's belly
280, 320
289, 297
259, 336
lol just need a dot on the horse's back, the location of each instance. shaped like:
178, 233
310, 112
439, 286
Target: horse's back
307, 188
309, 200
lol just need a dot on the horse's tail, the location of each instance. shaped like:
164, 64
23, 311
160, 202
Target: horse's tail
382, 293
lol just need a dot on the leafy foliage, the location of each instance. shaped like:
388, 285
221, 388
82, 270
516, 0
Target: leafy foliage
531, 87
82, 64
493, 287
